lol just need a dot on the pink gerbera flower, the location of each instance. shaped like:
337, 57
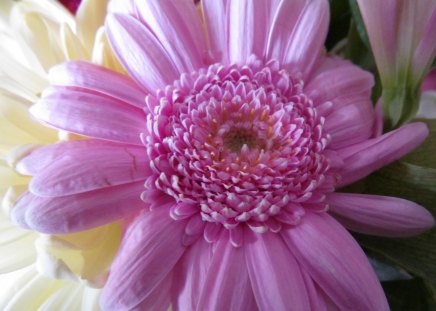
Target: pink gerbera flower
221, 154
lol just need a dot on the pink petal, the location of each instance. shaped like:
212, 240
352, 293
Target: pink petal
249, 25
87, 166
194, 229
177, 25
336, 263
298, 33
429, 83
378, 123
351, 124
159, 298
37, 159
90, 114
89, 76
367, 157
140, 53
227, 285
150, 249
216, 22
316, 299
274, 273
190, 275
379, 215
74, 213
340, 82
283, 22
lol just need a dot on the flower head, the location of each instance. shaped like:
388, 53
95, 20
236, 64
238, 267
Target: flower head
221, 160
242, 143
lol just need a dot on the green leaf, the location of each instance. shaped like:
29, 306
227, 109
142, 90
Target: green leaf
360, 25
417, 255
339, 22
432, 289
358, 52
400, 99
425, 155
406, 295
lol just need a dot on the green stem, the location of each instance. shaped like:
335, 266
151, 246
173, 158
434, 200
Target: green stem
400, 100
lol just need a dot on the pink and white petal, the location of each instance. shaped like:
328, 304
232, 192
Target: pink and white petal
140, 53
217, 24
379, 215
89, 76
90, 114
362, 159
190, 275
426, 50
150, 249
336, 263
338, 81
274, 273
249, 26
74, 213
303, 48
227, 285
91, 165
351, 124
177, 26
381, 22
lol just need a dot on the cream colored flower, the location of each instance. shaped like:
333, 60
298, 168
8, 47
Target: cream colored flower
34, 36
27, 289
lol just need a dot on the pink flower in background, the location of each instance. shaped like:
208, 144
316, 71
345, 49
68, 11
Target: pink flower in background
403, 40
222, 153
401, 34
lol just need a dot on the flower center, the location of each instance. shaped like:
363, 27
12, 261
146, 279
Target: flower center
239, 138
239, 145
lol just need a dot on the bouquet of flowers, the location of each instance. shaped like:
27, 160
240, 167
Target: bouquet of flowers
218, 155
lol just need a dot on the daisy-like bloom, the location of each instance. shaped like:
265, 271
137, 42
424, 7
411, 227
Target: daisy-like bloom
221, 154
35, 35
